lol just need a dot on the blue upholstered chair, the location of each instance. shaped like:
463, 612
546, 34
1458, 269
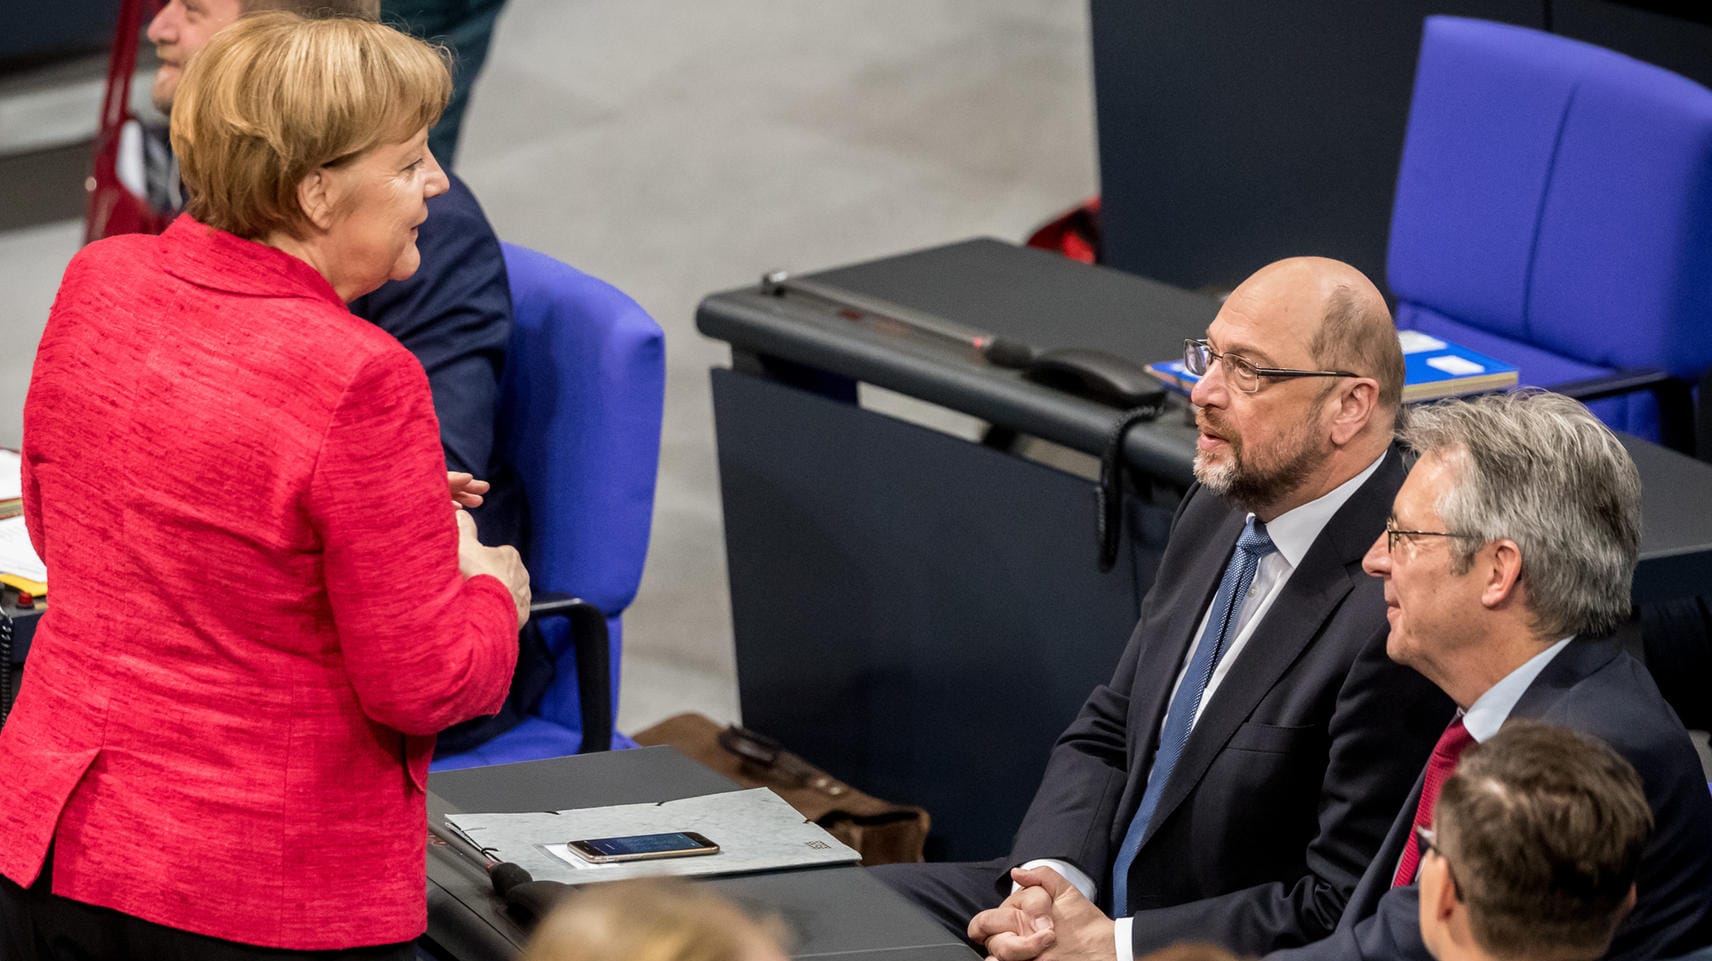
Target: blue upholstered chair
1554, 210
579, 423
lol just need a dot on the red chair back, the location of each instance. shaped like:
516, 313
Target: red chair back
113, 207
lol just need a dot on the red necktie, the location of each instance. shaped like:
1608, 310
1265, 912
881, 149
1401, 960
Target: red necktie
1439, 769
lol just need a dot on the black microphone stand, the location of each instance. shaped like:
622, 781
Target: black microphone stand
528, 899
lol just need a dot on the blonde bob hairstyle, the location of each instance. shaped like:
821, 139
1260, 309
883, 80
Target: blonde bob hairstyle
275, 96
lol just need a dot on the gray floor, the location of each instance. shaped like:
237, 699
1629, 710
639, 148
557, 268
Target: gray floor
678, 148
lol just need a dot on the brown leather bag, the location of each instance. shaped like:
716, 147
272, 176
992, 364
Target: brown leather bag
882, 832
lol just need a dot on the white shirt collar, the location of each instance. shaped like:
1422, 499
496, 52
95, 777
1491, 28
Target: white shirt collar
1490, 710
1295, 530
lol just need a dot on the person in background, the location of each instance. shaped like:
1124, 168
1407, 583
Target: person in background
1256, 679
1534, 850
652, 920
466, 26
266, 601
1507, 564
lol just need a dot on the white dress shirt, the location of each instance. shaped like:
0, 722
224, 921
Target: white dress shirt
1490, 710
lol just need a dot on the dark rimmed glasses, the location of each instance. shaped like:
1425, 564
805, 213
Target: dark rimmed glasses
1392, 534
1426, 839
1198, 357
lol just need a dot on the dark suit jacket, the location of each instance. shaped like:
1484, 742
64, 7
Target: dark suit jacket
1295, 767
1593, 687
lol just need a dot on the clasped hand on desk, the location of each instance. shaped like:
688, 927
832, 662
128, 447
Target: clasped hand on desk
1045, 918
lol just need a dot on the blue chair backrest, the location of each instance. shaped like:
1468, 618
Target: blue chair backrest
1557, 195
579, 421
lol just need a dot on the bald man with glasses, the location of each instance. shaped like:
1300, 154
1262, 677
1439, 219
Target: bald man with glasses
1233, 779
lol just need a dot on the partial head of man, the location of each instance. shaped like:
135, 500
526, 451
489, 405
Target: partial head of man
1536, 844
1301, 380
181, 27
1518, 526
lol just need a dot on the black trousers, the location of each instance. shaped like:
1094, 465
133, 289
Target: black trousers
953, 892
38, 925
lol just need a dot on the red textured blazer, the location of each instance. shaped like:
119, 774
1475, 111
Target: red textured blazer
257, 622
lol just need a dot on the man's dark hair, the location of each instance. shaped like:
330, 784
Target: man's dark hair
318, 9
1543, 829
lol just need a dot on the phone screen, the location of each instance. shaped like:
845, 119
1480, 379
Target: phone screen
641, 846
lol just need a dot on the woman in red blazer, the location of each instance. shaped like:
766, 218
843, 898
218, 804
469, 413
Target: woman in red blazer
264, 605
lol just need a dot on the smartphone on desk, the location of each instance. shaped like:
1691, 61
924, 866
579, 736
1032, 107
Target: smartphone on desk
643, 847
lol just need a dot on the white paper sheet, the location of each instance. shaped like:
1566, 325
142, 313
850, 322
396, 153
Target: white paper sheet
17, 556
1413, 341
755, 830
1454, 365
11, 475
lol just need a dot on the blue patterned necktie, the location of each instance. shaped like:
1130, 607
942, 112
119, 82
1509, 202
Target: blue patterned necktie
1251, 546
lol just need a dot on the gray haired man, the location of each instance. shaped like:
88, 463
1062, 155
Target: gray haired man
1506, 560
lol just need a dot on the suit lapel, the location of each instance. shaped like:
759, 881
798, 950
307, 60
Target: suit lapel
1313, 592
1578, 660
1383, 869
1184, 603
1291, 624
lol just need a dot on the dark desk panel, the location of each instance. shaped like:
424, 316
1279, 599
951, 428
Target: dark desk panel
840, 912
1035, 296
17, 630
1676, 526
917, 614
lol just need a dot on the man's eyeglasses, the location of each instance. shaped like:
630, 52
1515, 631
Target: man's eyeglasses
1426, 840
1198, 357
1392, 535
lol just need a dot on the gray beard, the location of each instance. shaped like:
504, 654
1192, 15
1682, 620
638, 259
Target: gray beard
1249, 489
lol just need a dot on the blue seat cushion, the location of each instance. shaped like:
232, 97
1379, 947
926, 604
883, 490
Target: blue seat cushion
531, 740
1635, 413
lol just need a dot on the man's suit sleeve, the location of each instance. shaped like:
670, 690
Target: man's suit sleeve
1391, 933
1382, 727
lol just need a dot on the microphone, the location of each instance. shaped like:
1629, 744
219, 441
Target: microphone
507, 876
531, 900
525, 896
454, 839
995, 350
